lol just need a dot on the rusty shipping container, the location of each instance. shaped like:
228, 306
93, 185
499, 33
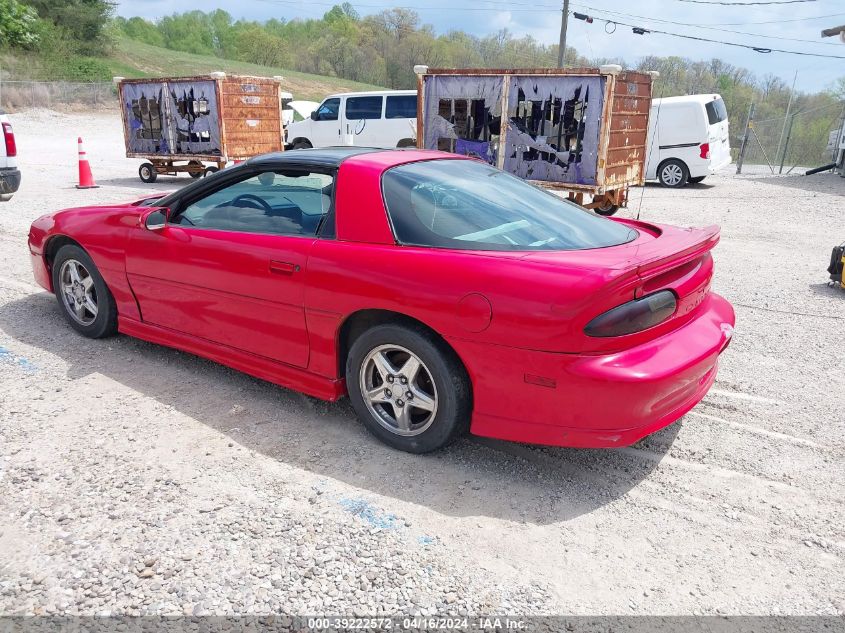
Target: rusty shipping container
213, 118
578, 129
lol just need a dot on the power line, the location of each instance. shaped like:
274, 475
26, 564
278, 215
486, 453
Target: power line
745, 4
710, 28
759, 49
815, 17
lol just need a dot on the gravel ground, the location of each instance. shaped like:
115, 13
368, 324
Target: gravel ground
136, 479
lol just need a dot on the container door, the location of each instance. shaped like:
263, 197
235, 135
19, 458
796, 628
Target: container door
194, 118
553, 128
144, 120
463, 114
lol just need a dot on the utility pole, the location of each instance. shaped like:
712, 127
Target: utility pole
749, 130
564, 19
786, 118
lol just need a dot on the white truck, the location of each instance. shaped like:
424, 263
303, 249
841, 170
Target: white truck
10, 175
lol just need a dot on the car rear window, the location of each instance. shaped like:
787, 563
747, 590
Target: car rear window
363, 108
468, 205
401, 107
716, 111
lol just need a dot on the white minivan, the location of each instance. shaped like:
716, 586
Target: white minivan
687, 139
367, 119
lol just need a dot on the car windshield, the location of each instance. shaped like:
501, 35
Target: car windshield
465, 204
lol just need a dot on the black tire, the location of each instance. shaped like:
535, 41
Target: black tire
406, 143
673, 173
105, 323
147, 172
301, 143
211, 170
451, 387
697, 179
607, 209
199, 171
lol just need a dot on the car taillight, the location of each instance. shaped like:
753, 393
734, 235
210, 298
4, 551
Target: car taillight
705, 150
9, 136
634, 316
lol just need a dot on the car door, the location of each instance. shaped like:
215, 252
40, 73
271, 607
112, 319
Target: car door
325, 125
228, 266
362, 120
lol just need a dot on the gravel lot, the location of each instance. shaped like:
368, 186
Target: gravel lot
135, 479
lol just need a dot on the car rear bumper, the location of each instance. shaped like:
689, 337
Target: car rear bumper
596, 401
10, 180
724, 162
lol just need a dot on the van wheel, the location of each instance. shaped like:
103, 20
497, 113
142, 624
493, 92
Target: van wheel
301, 143
673, 173
697, 179
406, 142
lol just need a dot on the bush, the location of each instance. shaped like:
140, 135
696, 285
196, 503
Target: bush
78, 68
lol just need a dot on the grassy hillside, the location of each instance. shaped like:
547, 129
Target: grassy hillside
136, 59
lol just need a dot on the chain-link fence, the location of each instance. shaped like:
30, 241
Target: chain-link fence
16, 95
786, 143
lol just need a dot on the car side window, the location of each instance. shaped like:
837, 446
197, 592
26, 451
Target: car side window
328, 110
287, 202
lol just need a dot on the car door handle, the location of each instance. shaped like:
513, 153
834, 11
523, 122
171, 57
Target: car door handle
283, 268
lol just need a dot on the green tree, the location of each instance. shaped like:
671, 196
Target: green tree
83, 21
18, 25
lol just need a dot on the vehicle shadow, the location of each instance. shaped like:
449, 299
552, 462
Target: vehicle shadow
162, 183
828, 289
825, 182
473, 477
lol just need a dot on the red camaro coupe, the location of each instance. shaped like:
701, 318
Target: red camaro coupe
441, 294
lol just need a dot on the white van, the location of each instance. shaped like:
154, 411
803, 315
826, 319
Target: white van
687, 139
367, 119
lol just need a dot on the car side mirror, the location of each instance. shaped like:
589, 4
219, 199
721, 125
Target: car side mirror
155, 219
315, 116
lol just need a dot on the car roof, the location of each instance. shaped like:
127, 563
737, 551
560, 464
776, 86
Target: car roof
700, 98
324, 156
372, 93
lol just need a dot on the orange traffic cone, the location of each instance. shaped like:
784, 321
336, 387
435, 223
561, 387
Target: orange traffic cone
86, 178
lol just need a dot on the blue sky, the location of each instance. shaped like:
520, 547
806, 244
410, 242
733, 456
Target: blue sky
542, 20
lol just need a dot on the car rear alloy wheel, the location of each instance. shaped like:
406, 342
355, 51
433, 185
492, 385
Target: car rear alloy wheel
408, 387
398, 390
673, 173
86, 301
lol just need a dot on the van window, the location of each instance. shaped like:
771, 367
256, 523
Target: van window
716, 111
401, 107
328, 110
363, 107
